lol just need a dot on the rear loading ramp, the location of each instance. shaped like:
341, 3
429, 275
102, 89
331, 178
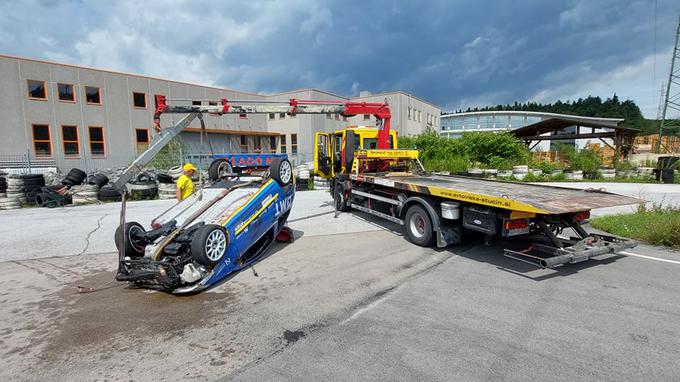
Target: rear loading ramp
524, 197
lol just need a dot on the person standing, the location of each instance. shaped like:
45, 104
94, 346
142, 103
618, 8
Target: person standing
185, 186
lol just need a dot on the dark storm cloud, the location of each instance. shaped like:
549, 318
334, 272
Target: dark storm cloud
455, 54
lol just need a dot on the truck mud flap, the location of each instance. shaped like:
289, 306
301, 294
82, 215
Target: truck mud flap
545, 256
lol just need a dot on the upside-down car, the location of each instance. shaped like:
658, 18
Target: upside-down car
217, 231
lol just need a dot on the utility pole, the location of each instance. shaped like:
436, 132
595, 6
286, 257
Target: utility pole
672, 100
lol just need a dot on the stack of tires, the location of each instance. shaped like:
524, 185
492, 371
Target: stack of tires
303, 172
74, 177
143, 187
321, 184
166, 186
15, 189
175, 172
109, 194
32, 185
3, 185
520, 172
84, 194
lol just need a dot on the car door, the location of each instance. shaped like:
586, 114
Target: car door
323, 158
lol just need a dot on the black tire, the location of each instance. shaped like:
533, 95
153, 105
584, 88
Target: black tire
133, 248
282, 171
419, 226
340, 199
26, 177
164, 178
209, 244
109, 192
100, 180
144, 177
78, 172
218, 168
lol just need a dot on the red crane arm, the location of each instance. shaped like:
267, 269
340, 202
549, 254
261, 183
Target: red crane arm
381, 111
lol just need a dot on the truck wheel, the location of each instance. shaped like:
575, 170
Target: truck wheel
218, 168
133, 247
209, 244
340, 200
282, 171
419, 226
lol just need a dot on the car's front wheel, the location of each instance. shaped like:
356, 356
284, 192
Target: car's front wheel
282, 171
134, 247
209, 244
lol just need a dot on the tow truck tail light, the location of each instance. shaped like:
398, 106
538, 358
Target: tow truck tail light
516, 224
516, 227
581, 216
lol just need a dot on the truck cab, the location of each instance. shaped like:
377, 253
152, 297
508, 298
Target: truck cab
334, 152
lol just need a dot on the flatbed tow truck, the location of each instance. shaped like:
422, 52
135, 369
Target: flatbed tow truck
392, 184
370, 173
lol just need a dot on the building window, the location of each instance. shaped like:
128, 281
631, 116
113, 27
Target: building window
257, 144
344, 118
420, 116
92, 95
212, 103
196, 103
139, 100
243, 116
96, 134
367, 117
282, 115
66, 93
244, 144
409, 113
293, 144
337, 117
272, 144
284, 149
328, 115
271, 116
69, 136
36, 89
142, 139
42, 145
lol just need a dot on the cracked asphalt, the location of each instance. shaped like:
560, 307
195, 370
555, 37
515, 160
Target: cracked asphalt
350, 299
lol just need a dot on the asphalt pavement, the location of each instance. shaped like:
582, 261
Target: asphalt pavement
350, 299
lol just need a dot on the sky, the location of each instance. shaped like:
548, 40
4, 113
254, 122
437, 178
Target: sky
453, 53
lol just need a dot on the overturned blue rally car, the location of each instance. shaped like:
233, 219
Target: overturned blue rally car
217, 231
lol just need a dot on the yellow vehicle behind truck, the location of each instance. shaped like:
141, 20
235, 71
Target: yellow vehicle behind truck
392, 184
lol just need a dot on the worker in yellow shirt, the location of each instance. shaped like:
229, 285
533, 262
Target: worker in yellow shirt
185, 186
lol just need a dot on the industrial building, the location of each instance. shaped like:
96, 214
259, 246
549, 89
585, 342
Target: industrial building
540, 130
68, 116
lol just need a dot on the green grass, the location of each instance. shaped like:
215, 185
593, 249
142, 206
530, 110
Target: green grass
658, 225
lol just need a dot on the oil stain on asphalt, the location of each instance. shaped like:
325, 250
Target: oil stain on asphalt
122, 317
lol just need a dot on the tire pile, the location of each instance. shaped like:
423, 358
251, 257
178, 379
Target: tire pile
33, 183
166, 186
3, 185
7, 203
15, 190
144, 186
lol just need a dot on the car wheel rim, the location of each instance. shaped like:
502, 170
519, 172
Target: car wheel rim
215, 245
285, 171
222, 169
417, 225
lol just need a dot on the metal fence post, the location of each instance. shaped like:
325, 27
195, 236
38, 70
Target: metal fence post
28, 160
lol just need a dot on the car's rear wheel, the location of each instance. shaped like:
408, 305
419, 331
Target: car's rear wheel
218, 169
133, 246
419, 226
282, 171
209, 244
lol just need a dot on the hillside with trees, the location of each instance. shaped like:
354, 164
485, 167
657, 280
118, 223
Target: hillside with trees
589, 107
